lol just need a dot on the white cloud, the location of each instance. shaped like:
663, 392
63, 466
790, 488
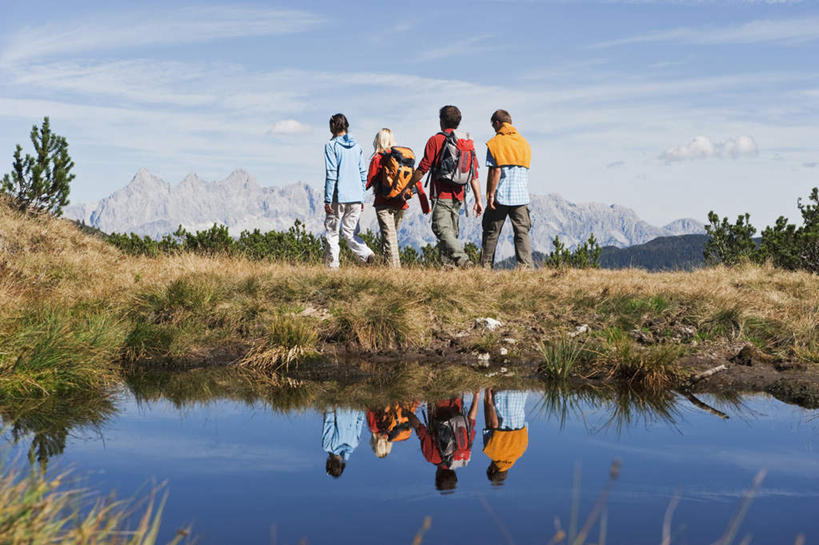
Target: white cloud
702, 147
783, 31
289, 126
142, 29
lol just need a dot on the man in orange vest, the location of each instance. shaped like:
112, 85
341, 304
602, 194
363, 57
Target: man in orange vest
508, 156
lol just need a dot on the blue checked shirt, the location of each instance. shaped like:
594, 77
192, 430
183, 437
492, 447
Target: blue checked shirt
511, 409
513, 187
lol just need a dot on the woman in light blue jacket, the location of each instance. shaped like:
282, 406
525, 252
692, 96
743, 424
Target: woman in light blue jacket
345, 180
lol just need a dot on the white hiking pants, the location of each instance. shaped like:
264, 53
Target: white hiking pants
345, 215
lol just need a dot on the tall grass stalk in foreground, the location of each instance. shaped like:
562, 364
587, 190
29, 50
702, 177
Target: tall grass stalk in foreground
35, 511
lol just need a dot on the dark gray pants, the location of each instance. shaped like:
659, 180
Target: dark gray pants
493, 221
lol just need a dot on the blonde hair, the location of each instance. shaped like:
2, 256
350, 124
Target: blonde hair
380, 444
383, 141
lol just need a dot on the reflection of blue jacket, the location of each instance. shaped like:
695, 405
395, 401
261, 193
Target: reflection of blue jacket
342, 428
346, 170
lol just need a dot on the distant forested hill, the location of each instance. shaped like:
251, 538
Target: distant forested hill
682, 252
661, 254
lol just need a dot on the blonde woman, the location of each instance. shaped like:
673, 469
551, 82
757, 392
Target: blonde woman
388, 211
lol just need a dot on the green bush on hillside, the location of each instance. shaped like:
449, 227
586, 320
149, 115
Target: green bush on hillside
785, 245
584, 256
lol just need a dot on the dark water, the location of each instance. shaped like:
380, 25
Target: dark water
242, 472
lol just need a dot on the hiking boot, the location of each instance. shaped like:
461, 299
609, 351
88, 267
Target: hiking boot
371, 260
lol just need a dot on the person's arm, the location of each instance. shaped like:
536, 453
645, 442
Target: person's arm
362, 168
416, 423
492, 181
430, 152
473, 409
328, 432
489, 413
477, 208
375, 164
330, 177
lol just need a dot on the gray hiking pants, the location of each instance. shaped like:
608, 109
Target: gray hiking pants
445, 216
493, 221
388, 220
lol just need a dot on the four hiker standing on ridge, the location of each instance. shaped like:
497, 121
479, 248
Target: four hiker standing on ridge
451, 163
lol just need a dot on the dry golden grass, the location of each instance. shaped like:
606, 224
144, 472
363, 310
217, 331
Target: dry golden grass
184, 306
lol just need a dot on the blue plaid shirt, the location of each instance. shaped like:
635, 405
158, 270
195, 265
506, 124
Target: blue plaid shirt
510, 407
513, 187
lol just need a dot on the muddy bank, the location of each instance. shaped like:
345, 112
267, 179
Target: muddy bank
791, 382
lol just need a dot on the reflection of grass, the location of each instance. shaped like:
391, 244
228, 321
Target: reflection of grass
49, 421
35, 510
622, 406
396, 383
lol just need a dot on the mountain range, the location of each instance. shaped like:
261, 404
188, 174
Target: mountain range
150, 206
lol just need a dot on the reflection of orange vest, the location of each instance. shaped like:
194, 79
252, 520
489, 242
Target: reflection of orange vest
504, 447
392, 421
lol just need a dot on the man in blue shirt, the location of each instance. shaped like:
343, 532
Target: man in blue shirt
508, 156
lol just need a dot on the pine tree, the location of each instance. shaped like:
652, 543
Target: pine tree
41, 182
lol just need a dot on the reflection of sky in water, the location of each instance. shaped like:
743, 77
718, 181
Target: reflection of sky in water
236, 472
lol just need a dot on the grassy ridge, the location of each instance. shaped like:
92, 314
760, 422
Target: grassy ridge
74, 308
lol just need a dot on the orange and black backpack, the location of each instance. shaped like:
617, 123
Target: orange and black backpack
397, 168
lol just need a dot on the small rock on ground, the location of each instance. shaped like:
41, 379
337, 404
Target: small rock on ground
488, 323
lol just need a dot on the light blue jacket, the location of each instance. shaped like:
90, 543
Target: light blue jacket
346, 170
342, 428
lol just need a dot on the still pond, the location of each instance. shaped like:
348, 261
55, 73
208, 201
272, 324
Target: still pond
243, 472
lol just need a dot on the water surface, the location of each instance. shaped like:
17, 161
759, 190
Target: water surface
243, 472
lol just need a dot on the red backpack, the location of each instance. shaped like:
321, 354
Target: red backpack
456, 160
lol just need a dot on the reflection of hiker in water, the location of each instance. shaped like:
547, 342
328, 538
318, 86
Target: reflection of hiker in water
446, 437
505, 437
389, 425
339, 438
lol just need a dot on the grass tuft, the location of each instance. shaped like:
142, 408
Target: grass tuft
559, 358
379, 324
289, 339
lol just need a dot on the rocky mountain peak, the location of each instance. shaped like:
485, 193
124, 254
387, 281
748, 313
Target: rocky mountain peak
150, 206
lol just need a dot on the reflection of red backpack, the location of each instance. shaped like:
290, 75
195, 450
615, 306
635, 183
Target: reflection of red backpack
453, 436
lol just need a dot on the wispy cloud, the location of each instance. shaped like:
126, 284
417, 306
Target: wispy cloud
289, 126
144, 29
702, 147
454, 48
782, 31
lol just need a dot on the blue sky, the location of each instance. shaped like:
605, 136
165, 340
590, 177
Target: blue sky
669, 107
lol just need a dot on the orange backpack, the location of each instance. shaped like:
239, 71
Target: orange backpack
397, 168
